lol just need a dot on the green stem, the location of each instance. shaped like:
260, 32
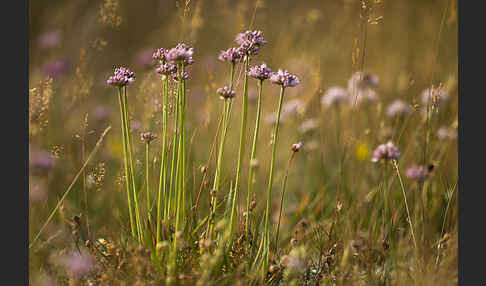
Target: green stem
395, 164
163, 172
125, 160
252, 159
147, 151
129, 145
269, 191
234, 213
217, 175
284, 184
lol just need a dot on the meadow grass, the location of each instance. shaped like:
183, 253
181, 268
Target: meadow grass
369, 102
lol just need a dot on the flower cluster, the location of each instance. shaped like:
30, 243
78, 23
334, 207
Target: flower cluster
385, 152
182, 53
147, 137
334, 96
398, 108
418, 173
166, 69
122, 77
284, 78
160, 55
176, 76
225, 92
261, 72
232, 55
250, 42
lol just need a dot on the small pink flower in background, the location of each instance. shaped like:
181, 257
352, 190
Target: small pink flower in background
385, 151
49, 39
77, 264
418, 173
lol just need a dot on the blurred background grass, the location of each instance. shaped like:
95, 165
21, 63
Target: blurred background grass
409, 45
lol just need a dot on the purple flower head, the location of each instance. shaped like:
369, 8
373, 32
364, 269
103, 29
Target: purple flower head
261, 72
166, 69
361, 80
397, 108
418, 173
181, 54
122, 77
250, 42
175, 76
385, 152
41, 161
225, 92
334, 96
160, 55
232, 55
55, 67
284, 78
296, 147
147, 137
49, 39
77, 264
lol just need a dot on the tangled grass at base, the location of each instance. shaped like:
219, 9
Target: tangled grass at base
244, 149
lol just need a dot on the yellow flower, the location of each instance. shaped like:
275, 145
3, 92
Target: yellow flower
362, 152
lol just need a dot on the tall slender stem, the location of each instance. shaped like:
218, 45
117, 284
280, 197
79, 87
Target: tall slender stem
163, 172
406, 204
224, 129
284, 184
125, 160
147, 158
252, 159
234, 213
132, 176
269, 191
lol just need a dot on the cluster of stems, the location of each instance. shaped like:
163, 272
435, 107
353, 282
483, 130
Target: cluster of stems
135, 224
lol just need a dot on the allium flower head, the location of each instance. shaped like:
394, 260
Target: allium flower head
225, 92
296, 147
147, 137
160, 55
122, 77
385, 152
250, 42
232, 55
182, 53
184, 75
261, 72
334, 96
284, 78
361, 80
397, 108
166, 69
418, 173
